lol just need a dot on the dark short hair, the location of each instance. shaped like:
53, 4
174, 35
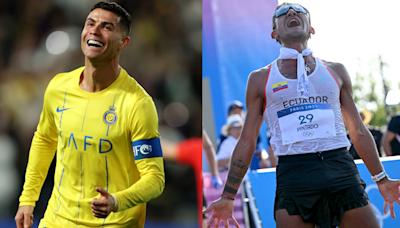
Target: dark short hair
283, 4
125, 21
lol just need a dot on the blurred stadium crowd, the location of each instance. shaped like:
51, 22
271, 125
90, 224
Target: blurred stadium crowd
164, 56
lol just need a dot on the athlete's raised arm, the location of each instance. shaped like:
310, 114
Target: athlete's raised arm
244, 150
362, 139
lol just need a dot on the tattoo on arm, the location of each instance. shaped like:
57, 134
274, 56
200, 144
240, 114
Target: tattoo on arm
239, 163
235, 173
230, 190
233, 180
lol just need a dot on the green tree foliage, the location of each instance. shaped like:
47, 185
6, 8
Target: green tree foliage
365, 92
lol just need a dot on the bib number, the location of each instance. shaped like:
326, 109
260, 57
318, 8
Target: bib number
308, 117
305, 122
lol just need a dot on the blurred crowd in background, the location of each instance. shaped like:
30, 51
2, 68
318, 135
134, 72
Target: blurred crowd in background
39, 39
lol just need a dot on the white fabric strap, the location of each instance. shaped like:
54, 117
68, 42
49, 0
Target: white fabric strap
302, 79
379, 176
116, 203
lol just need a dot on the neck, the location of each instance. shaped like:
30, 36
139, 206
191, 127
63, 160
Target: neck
97, 77
297, 46
308, 60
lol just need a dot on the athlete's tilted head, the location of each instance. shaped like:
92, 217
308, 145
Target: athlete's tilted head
106, 32
124, 16
291, 20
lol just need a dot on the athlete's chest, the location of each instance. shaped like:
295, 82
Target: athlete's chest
304, 117
284, 92
91, 123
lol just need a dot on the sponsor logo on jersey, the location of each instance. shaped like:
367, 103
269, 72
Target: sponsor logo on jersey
104, 145
279, 86
62, 110
323, 79
110, 116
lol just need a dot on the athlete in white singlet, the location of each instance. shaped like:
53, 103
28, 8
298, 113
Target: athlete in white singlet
298, 124
306, 102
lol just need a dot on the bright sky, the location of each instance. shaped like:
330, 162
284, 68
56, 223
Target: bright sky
348, 30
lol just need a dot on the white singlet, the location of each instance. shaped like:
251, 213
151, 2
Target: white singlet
304, 125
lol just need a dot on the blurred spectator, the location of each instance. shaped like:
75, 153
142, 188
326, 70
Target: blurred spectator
366, 117
188, 152
261, 157
391, 139
235, 107
231, 130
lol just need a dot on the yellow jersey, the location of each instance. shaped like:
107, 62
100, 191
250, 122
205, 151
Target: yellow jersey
106, 139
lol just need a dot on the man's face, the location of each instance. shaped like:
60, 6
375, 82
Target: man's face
101, 38
292, 25
238, 111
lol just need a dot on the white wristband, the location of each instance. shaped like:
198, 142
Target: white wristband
116, 203
379, 176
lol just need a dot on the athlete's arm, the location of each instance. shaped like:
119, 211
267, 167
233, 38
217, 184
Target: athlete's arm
41, 154
359, 134
144, 130
24, 216
246, 146
363, 141
243, 152
387, 138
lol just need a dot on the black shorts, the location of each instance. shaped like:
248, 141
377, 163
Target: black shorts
319, 187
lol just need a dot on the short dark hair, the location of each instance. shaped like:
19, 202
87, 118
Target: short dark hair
125, 21
283, 4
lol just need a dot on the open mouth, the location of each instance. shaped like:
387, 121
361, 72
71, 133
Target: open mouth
293, 22
94, 43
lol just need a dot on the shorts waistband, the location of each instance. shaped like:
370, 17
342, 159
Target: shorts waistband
313, 156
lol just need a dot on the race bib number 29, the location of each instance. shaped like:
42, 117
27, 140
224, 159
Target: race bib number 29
304, 122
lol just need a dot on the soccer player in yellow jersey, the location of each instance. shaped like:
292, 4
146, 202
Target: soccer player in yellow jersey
104, 129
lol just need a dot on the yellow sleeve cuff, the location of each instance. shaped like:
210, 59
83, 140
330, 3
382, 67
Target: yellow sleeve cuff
27, 203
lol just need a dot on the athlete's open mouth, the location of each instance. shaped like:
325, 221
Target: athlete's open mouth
293, 22
94, 43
